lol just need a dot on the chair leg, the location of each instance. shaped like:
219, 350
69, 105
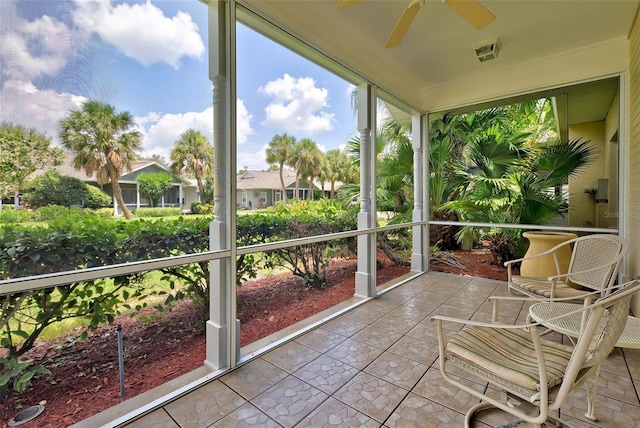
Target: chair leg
591, 386
471, 413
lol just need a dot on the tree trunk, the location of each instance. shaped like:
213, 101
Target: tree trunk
284, 190
117, 194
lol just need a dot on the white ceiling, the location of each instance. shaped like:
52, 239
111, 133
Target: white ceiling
438, 47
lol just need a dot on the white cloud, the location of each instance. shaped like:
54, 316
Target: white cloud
253, 159
243, 123
297, 105
160, 132
31, 49
141, 31
24, 104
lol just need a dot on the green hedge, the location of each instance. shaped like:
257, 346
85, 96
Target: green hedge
157, 212
73, 239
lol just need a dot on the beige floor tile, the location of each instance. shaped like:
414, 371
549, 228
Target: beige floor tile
421, 302
247, 416
372, 396
434, 387
205, 405
345, 326
376, 336
382, 305
253, 378
411, 313
398, 370
291, 356
417, 411
356, 354
333, 413
394, 324
364, 314
415, 349
617, 387
321, 339
156, 419
289, 401
611, 413
326, 374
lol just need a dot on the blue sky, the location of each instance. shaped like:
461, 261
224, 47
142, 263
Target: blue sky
150, 58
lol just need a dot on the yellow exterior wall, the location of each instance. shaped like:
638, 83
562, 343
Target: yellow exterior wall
633, 173
611, 132
582, 206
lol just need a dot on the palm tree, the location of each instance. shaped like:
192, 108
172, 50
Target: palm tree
193, 154
336, 167
307, 160
279, 151
104, 143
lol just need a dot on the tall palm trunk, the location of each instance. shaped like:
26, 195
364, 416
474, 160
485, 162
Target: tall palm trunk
117, 194
284, 190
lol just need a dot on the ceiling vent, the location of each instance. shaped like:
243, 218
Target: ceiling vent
488, 50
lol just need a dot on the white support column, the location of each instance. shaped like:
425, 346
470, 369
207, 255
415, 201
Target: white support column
420, 252
221, 326
366, 274
137, 195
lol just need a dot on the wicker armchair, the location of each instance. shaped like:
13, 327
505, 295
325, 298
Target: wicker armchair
536, 374
594, 265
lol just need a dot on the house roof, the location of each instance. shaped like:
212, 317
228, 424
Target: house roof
545, 44
271, 180
265, 180
67, 168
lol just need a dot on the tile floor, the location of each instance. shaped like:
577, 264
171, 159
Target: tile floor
376, 365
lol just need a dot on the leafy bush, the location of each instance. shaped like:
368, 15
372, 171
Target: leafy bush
157, 212
200, 208
102, 212
304, 219
154, 185
52, 188
96, 198
10, 214
16, 375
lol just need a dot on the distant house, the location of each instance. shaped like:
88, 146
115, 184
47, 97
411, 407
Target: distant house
182, 193
260, 189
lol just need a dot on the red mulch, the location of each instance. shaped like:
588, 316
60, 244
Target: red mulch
85, 376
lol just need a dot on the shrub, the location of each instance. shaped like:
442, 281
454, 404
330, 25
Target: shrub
201, 208
10, 214
154, 185
157, 212
102, 212
96, 198
304, 219
52, 188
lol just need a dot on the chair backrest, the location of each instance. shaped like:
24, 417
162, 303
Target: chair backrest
607, 318
592, 251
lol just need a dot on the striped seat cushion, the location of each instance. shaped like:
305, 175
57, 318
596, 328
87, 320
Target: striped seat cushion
509, 354
542, 287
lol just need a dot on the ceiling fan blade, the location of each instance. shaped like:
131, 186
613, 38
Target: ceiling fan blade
403, 23
345, 3
472, 12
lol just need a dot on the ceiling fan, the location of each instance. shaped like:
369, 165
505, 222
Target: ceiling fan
470, 10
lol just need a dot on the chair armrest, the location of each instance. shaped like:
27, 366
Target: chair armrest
593, 269
481, 323
544, 253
